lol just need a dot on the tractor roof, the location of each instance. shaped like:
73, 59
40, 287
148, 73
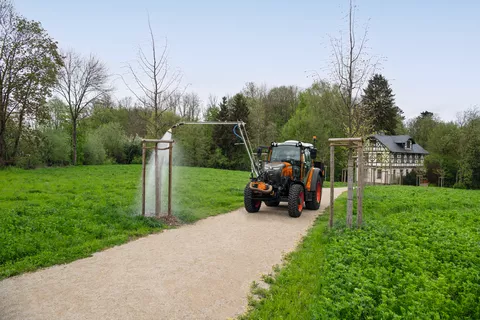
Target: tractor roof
295, 143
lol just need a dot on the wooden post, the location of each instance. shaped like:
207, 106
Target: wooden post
144, 151
332, 180
360, 185
350, 188
170, 179
160, 180
157, 183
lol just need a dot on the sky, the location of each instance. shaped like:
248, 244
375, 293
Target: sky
428, 49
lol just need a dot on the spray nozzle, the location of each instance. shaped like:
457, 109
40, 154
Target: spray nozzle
178, 125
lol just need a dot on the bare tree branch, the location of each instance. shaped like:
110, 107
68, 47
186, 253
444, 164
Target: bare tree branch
153, 82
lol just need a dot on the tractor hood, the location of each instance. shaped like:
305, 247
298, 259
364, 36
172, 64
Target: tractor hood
272, 166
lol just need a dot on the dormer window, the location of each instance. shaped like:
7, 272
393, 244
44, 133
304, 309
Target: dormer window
408, 145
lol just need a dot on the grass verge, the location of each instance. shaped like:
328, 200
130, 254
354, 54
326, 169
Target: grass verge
417, 257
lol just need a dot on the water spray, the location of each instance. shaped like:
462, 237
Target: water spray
158, 192
167, 139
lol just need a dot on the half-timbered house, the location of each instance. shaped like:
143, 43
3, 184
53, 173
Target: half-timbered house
388, 158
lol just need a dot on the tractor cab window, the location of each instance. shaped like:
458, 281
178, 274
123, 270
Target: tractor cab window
285, 153
308, 159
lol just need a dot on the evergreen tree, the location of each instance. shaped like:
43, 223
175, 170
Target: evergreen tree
378, 103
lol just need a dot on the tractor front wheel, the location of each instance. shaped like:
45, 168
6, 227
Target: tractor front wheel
250, 204
296, 200
316, 196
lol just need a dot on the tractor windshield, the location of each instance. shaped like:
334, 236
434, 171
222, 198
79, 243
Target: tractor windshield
285, 153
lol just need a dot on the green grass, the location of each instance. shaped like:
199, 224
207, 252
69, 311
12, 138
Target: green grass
417, 257
56, 215
203, 192
336, 184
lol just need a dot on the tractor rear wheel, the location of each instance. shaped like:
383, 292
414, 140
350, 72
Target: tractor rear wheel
251, 205
272, 203
316, 196
296, 200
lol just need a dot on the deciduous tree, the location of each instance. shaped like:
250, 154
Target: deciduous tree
82, 81
29, 64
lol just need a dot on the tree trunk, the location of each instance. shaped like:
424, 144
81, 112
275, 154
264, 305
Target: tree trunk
350, 189
74, 142
3, 148
19, 133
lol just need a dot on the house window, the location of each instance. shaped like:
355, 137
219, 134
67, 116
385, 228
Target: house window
394, 172
379, 157
408, 145
379, 174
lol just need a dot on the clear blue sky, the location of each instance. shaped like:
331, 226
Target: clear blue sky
431, 46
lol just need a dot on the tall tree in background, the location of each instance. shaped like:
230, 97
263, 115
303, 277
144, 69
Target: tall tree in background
29, 63
378, 102
352, 67
421, 127
154, 82
81, 82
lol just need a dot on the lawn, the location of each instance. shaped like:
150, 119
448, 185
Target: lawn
56, 215
417, 257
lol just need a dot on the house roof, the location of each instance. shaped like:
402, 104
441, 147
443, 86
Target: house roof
394, 143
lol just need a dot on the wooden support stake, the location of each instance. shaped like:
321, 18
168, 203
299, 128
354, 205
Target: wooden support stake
332, 169
350, 189
157, 183
143, 177
360, 185
160, 179
170, 180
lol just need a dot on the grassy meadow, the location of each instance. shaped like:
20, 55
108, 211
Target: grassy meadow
56, 215
417, 257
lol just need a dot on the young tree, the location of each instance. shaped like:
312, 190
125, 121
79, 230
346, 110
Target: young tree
154, 82
378, 103
29, 64
81, 82
352, 67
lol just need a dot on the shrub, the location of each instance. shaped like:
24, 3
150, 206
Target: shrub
56, 147
410, 179
132, 149
93, 150
113, 139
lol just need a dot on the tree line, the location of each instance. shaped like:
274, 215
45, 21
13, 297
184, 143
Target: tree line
57, 108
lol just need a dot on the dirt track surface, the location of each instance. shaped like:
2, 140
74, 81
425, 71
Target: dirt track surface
199, 271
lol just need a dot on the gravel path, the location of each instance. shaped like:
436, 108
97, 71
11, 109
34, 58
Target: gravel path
199, 271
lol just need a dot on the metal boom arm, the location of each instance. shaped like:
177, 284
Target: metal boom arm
243, 133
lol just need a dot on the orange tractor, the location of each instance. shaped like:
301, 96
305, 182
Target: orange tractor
289, 174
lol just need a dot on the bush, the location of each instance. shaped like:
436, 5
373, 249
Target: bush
113, 139
29, 161
410, 179
459, 185
56, 147
133, 149
93, 151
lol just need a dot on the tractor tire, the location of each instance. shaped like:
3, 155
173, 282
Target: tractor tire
316, 196
272, 203
250, 204
296, 200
